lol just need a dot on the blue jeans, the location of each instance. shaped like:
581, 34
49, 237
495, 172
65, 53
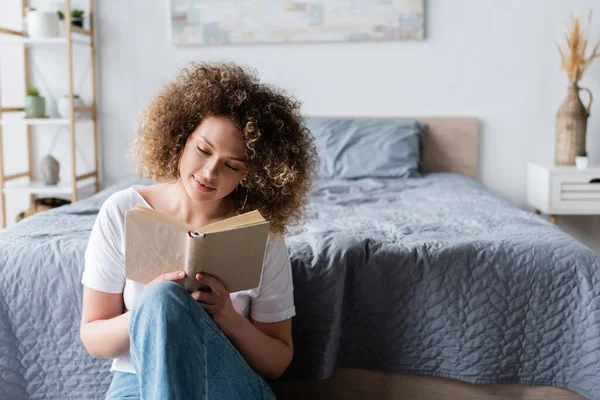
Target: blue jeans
179, 352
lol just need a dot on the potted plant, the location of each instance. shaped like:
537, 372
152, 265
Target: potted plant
582, 160
572, 116
76, 17
63, 105
35, 105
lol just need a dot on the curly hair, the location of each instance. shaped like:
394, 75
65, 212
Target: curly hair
280, 151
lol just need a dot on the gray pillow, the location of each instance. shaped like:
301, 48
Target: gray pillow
353, 149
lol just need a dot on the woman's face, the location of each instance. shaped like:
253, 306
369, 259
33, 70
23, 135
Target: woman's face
212, 163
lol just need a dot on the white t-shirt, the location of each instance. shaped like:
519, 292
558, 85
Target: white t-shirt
272, 301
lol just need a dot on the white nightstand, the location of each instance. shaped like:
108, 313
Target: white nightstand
558, 190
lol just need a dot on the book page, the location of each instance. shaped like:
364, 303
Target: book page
246, 219
161, 216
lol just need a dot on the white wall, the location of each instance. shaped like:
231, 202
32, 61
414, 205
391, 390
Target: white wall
495, 60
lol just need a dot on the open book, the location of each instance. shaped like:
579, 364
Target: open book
232, 250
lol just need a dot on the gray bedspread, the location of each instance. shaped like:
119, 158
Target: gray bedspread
434, 275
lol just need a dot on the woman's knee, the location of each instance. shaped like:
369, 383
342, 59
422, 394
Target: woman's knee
166, 304
159, 294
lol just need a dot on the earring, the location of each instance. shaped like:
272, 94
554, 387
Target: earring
237, 197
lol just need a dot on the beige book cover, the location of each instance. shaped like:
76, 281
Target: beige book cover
232, 250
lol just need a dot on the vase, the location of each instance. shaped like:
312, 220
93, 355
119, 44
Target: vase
63, 106
35, 106
41, 24
77, 21
49, 170
571, 126
581, 162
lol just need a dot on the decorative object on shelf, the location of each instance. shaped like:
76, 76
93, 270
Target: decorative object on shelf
76, 17
41, 23
49, 170
571, 117
35, 105
61, 24
63, 106
582, 160
42, 204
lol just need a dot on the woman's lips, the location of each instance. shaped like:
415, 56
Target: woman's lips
200, 185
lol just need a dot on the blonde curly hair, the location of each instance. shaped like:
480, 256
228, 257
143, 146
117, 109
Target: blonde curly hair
280, 151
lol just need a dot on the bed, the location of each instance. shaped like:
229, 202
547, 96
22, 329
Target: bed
421, 288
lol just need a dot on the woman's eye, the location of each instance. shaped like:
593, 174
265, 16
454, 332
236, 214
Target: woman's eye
208, 154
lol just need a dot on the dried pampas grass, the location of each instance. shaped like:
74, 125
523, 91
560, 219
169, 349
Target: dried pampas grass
573, 59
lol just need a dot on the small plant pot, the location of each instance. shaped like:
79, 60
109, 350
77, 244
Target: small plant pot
41, 24
63, 106
77, 21
35, 106
581, 162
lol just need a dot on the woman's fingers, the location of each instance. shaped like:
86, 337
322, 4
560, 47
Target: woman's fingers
168, 276
205, 297
215, 285
173, 276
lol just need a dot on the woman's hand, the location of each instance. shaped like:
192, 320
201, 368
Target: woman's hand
217, 304
168, 276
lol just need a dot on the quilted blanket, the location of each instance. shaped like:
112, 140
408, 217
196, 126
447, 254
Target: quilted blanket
435, 275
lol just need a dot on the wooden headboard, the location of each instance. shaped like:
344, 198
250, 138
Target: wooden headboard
451, 144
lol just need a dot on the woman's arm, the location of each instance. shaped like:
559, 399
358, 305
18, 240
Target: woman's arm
104, 328
267, 347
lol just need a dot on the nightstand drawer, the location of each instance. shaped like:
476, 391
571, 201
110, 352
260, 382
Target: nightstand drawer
595, 195
575, 191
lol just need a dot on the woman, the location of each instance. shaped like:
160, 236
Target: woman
219, 143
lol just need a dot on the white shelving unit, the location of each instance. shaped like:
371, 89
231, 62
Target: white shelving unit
41, 188
60, 41
48, 121
24, 182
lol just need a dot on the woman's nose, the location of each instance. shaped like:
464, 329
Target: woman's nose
210, 169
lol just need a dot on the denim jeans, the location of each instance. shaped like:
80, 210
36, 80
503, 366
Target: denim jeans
179, 352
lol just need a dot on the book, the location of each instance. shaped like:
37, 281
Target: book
232, 250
